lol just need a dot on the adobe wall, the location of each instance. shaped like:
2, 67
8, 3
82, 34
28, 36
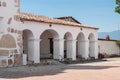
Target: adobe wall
108, 47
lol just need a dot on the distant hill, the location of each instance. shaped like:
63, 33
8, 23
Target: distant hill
113, 35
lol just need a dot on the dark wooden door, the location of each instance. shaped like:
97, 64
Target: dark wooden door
51, 45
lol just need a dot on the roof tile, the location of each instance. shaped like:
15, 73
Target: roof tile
39, 18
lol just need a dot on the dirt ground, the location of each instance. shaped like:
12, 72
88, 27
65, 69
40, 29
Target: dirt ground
106, 70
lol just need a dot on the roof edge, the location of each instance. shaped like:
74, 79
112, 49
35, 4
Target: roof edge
32, 17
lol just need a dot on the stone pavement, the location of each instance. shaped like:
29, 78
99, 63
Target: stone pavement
106, 70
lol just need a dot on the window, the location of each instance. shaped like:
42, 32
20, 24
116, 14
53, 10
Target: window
4, 4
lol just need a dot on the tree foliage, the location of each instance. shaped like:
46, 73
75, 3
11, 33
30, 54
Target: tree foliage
118, 42
117, 8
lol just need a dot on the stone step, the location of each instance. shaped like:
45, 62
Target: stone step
46, 62
51, 61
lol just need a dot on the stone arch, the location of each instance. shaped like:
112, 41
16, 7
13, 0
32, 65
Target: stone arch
47, 44
54, 33
29, 32
80, 45
28, 44
81, 37
68, 36
7, 41
68, 45
91, 39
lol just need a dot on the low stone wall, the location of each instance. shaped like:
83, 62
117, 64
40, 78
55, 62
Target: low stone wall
108, 47
4, 52
11, 40
18, 60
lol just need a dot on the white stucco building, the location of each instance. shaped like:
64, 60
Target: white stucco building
42, 37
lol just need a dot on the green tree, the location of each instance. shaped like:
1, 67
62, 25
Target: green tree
118, 43
117, 8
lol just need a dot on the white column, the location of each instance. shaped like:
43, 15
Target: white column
86, 50
36, 50
59, 49
24, 59
74, 49
96, 49
69, 48
81, 48
55, 49
30, 49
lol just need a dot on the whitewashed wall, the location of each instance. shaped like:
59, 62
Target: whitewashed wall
7, 20
38, 28
108, 47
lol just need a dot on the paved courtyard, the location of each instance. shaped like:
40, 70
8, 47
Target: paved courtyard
106, 70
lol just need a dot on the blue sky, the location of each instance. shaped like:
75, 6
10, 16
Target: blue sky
98, 13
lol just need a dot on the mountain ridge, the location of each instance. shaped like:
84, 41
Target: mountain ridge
113, 35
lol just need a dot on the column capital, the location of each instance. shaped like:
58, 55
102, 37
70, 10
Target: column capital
93, 41
96, 40
58, 39
37, 39
34, 39
31, 39
72, 40
84, 41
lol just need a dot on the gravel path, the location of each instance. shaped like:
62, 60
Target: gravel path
107, 70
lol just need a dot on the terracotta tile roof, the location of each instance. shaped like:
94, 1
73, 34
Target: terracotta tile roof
102, 39
69, 18
39, 18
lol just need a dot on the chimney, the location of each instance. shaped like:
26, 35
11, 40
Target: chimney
107, 37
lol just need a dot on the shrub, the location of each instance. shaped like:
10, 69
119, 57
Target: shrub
100, 56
